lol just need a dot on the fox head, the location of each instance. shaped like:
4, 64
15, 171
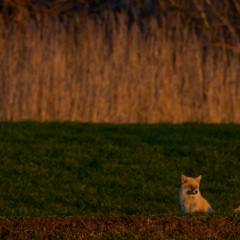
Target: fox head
191, 185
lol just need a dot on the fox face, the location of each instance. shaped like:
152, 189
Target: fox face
191, 185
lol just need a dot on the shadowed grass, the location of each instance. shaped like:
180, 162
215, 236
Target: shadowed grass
59, 169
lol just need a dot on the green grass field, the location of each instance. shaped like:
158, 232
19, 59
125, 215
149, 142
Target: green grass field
62, 169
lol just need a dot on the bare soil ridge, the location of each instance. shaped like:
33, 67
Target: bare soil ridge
136, 227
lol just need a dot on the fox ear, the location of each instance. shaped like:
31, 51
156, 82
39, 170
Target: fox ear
184, 178
198, 179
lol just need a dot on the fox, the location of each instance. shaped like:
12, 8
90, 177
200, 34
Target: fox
237, 210
190, 198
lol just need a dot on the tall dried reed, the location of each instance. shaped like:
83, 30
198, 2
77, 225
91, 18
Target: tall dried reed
93, 71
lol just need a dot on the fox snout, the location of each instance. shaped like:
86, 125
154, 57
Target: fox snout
192, 192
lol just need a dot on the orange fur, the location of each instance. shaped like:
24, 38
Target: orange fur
237, 209
191, 199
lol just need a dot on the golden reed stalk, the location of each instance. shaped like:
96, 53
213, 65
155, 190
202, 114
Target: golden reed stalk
58, 70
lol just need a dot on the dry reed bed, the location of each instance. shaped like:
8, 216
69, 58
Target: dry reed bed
87, 70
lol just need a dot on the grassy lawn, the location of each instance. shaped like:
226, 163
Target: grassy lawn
74, 169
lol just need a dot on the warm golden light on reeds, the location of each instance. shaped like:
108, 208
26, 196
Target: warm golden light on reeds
71, 70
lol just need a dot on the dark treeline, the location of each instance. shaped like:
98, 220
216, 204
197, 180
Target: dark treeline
209, 17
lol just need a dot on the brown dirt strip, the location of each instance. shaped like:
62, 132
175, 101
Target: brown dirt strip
134, 227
